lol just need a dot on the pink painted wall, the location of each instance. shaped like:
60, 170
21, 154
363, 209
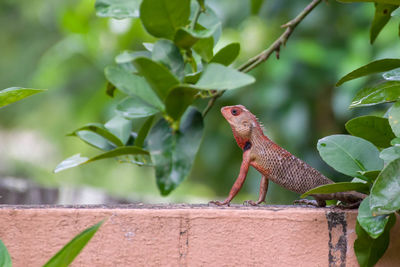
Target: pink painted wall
182, 235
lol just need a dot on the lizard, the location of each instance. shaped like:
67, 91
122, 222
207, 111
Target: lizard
275, 164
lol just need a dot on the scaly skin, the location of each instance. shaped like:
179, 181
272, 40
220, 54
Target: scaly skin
275, 163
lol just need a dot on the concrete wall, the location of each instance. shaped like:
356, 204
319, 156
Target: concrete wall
183, 235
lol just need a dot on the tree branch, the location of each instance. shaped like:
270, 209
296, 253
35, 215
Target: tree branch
274, 47
211, 103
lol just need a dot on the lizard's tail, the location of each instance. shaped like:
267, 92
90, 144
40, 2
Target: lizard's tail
346, 197
350, 197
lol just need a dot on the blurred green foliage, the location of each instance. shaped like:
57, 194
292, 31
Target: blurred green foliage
64, 47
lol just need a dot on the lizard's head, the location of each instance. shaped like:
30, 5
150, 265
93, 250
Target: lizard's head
242, 121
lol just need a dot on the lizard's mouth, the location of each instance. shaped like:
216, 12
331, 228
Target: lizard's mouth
226, 113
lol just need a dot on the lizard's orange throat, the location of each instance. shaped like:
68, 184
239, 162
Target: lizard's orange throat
239, 140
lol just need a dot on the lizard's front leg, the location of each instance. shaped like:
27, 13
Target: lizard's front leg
244, 168
263, 192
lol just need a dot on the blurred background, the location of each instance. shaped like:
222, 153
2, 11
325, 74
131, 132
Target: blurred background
63, 47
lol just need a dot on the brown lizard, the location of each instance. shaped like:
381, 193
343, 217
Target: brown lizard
275, 163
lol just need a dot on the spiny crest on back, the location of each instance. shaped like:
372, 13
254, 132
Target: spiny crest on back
259, 123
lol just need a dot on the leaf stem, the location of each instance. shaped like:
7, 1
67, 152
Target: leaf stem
274, 47
211, 103
196, 17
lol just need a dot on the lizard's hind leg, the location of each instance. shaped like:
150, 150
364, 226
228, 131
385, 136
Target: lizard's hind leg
350, 206
315, 203
263, 192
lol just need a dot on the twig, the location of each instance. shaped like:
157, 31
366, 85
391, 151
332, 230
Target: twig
192, 26
196, 17
211, 102
274, 47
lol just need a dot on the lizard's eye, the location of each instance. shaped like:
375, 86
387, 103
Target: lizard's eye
235, 111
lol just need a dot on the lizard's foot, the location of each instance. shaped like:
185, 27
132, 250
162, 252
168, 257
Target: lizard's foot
219, 203
252, 203
306, 202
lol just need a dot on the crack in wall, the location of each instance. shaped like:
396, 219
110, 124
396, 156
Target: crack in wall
183, 241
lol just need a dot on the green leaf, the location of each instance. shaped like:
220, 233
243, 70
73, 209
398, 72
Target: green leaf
209, 19
371, 175
359, 180
202, 4
173, 153
77, 160
382, 93
395, 141
393, 75
385, 193
396, 13
162, 18
71, 162
14, 94
373, 225
218, 77
99, 129
337, 187
178, 100
369, 250
381, 17
192, 78
128, 56
372, 67
148, 46
349, 154
67, 254
227, 54
95, 140
118, 9
120, 151
167, 53
158, 76
5, 258
144, 130
186, 38
133, 107
372, 128
389, 154
120, 127
204, 48
124, 59
394, 118
132, 84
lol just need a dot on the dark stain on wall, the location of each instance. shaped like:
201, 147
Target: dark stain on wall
337, 227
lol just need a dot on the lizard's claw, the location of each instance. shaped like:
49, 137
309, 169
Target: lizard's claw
306, 202
252, 203
219, 203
